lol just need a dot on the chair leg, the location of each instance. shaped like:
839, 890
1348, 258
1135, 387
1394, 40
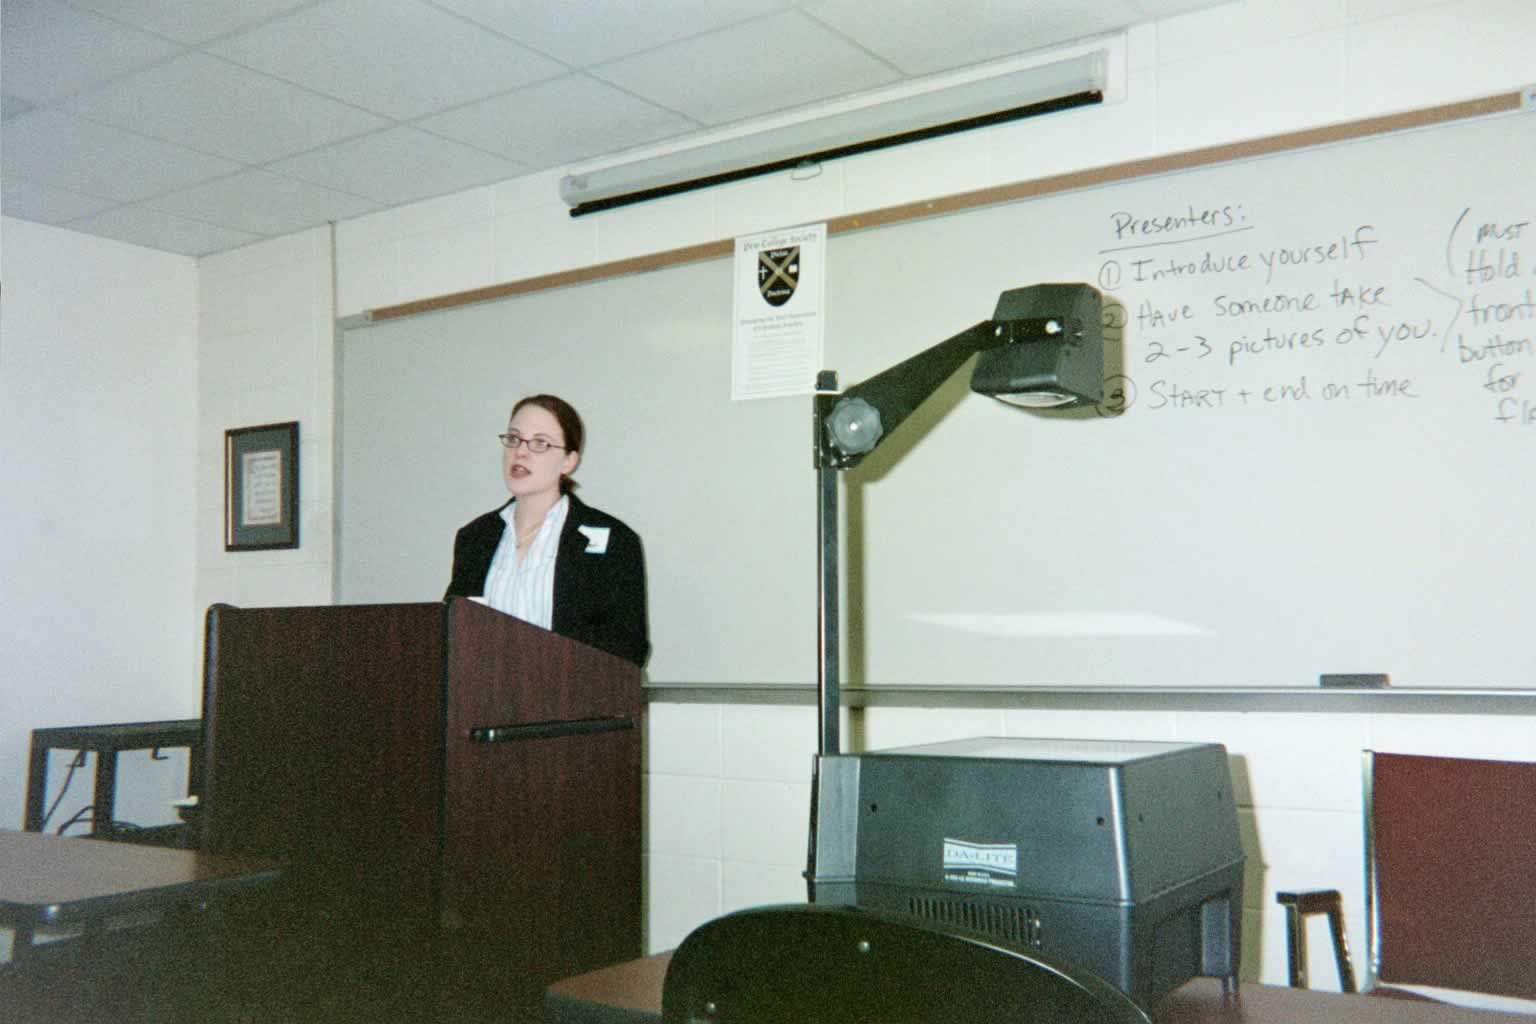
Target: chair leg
1341, 945
1298, 907
22, 937
1295, 947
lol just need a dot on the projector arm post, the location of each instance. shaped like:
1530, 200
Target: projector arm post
829, 699
847, 427
874, 408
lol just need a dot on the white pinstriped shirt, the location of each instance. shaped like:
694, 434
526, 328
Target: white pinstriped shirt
527, 590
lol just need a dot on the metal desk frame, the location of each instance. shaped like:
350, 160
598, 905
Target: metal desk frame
106, 742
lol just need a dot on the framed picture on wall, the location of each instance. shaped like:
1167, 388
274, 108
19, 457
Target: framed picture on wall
261, 487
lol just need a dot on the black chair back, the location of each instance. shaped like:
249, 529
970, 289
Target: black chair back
841, 965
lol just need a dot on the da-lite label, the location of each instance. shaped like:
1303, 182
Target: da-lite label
995, 865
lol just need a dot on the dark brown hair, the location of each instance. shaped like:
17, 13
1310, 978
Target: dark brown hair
570, 426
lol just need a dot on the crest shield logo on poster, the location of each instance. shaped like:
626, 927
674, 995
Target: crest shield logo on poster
778, 273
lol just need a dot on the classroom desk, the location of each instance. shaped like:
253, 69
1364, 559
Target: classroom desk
52, 880
630, 993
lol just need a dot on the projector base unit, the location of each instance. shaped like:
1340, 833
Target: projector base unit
1119, 857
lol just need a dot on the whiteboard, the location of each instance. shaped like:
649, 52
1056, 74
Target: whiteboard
1315, 455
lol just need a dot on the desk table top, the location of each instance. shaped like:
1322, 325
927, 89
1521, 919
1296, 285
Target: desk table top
51, 879
631, 992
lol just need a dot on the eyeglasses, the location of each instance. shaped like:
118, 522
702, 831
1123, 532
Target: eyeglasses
537, 445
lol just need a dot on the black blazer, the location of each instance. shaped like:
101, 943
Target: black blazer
599, 598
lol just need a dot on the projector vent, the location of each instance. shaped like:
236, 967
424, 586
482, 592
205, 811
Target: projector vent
1019, 925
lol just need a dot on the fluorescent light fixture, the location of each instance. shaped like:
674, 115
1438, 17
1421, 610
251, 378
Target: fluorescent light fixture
1041, 89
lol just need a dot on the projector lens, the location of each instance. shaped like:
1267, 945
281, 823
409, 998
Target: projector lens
1038, 399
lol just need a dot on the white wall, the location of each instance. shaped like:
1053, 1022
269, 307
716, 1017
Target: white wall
727, 786
1239, 70
265, 345
98, 409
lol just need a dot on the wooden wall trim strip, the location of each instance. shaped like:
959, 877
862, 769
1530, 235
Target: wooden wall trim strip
1286, 700
995, 195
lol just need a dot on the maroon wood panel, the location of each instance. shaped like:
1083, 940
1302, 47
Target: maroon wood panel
432, 875
1456, 872
504, 670
323, 728
542, 863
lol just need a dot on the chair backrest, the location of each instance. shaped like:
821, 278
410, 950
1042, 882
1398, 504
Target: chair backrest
1451, 872
800, 963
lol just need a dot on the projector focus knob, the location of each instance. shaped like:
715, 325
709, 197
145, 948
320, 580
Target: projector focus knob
854, 426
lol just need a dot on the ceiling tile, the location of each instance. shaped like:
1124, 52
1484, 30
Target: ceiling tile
590, 117
921, 37
400, 165
262, 203
190, 21
1154, 10
771, 64
608, 29
105, 106
398, 58
98, 159
49, 50
217, 107
31, 200
139, 225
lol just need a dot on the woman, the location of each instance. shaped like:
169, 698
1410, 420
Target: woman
546, 556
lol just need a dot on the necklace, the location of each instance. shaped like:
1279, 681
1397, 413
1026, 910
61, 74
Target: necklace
528, 535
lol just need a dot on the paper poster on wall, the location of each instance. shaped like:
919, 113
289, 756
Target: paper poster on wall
780, 279
262, 496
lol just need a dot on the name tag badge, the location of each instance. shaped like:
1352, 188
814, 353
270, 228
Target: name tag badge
597, 539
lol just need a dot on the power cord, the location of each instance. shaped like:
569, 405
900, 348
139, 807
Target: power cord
78, 761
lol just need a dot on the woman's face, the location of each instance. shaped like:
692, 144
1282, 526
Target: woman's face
528, 473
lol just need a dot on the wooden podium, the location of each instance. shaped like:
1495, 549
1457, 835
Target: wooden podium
455, 796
